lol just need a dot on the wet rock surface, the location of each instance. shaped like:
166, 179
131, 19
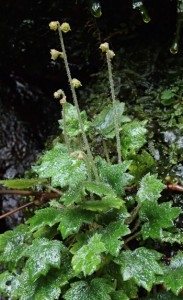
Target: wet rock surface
28, 117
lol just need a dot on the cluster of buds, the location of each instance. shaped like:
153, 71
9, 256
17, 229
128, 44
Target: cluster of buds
105, 48
58, 94
65, 27
78, 154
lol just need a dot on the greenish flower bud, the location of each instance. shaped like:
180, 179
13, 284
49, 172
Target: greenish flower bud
104, 47
55, 54
76, 83
110, 54
65, 27
53, 25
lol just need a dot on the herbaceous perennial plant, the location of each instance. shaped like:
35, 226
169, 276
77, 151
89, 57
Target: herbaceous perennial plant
106, 234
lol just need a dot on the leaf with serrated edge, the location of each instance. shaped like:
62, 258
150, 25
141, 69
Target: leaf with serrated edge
115, 175
173, 274
157, 217
72, 219
72, 123
5, 287
13, 244
45, 287
119, 295
88, 258
46, 216
111, 235
104, 204
99, 188
150, 188
63, 169
132, 138
140, 265
22, 183
43, 254
97, 289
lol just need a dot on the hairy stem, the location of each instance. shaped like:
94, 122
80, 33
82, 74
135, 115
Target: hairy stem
114, 107
85, 140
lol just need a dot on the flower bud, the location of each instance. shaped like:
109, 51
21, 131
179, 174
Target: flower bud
104, 47
53, 25
80, 156
73, 154
110, 54
63, 100
55, 54
76, 83
58, 93
65, 27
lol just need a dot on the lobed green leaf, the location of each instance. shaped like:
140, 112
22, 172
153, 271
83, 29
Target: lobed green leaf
140, 265
156, 217
97, 289
150, 189
88, 257
63, 170
72, 219
71, 119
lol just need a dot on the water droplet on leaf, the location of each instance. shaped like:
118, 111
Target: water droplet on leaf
95, 8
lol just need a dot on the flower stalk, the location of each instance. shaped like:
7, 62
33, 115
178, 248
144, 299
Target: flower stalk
73, 86
109, 55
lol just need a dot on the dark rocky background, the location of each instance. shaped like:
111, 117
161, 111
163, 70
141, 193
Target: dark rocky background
28, 77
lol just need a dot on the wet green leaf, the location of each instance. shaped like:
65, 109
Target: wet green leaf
72, 124
99, 188
72, 195
43, 255
97, 289
111, 237
141, 165
104, 204
45, 287
119, 295
13, 244
132, 138
63, 169
95, 8
156, 217
104, 122
46, 216
173, 274
115, 175
150, 188
5, 280
22, 183
140, 265
72, 219
88, 257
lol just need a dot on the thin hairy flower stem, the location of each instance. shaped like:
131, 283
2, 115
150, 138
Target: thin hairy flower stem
67, 142
106, 151
114, 107
85, 140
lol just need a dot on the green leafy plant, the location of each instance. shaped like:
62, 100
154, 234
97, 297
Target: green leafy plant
102, 235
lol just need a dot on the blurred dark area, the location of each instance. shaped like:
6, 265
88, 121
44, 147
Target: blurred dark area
28, 77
